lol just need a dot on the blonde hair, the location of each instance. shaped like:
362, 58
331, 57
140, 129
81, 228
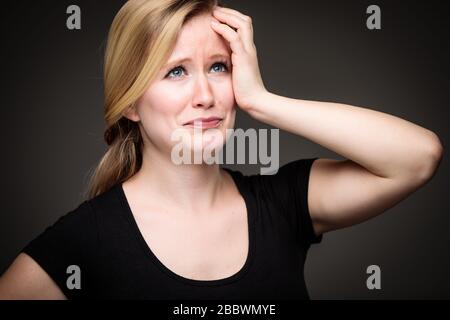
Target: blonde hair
140, 40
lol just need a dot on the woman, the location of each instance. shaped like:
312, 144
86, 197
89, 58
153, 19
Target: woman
156, 230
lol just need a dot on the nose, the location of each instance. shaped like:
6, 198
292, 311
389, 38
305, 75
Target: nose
203, 96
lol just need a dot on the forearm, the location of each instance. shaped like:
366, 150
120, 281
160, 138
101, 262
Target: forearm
384, 144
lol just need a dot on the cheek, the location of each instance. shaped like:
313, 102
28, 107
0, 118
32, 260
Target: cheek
158, 108
161, 102
228, 96
229, 101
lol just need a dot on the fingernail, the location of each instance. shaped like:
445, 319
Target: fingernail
214, 23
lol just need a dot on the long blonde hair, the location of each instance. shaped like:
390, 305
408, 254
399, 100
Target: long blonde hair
140, 40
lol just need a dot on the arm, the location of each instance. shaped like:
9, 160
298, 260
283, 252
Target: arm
387, 158
26, 280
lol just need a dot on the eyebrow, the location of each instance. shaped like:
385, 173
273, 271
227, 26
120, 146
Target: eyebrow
182, 60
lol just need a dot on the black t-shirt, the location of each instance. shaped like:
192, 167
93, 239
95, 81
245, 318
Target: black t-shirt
102, 238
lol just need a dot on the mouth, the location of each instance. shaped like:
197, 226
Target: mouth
204, 123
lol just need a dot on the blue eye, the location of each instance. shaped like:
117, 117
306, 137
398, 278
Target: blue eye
222, 64
181, 68
175, 69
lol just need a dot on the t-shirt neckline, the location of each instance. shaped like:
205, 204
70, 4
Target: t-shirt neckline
236, 176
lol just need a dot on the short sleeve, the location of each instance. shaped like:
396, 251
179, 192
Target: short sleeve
288, 189
70, 241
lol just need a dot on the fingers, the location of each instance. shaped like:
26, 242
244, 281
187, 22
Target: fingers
238, 21
237, 46
234, 12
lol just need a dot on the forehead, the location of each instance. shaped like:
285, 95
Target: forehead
197, 38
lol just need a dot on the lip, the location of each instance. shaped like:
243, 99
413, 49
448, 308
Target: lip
204, 123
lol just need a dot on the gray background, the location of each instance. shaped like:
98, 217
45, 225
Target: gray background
316, 50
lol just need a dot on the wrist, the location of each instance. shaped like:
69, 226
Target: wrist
257, 108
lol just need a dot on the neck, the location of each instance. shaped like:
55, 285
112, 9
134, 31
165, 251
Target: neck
188, 188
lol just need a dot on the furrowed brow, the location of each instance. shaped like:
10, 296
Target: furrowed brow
186, 59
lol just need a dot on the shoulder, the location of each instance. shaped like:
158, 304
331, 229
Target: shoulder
285, 193
107, 202
291, 167
70, 240
73, 233
293, 175
69, 234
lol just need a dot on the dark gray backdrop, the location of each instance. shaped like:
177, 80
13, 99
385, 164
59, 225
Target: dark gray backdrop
317, 50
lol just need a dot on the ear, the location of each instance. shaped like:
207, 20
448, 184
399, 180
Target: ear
131, 113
